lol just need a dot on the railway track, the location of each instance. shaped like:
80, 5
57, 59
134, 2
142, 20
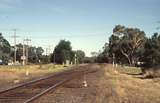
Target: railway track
29, 92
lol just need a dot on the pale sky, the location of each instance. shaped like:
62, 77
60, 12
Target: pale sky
86, 23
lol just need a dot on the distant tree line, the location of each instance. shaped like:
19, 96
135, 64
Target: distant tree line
63, 52
131, 46
35, 54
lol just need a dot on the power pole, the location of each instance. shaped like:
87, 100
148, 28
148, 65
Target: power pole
24, 57
15, 49
46, 51
49, 52
27, 46
113, 59
54, 57
75, 58
49, 49
47, 55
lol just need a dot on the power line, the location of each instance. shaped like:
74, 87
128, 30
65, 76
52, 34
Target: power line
84, 35
23, 57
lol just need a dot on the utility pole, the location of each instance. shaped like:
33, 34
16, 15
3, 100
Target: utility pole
46, 51
75, 58
27, 46
24, 57
113, 60
49, 52
49, 49
54, 57
15, 48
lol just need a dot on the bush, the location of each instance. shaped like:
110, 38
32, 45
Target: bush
153, 72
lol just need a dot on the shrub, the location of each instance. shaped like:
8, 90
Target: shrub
153, 72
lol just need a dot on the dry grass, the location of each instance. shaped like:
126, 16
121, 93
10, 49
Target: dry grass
11, 75
132, 89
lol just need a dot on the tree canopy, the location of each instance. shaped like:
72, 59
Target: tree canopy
126, 46
80, 56
151, 54
4, 48
126, 42
62, 52
34, 53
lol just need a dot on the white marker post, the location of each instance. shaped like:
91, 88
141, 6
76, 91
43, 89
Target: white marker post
85, 82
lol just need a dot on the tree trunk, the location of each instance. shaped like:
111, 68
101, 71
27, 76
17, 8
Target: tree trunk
133, 62
127, 56
130, 61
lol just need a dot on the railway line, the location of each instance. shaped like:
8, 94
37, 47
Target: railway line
30, 91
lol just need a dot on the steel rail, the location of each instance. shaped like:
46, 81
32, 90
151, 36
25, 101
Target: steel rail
55, 86
60, 79
31, 82
45, 91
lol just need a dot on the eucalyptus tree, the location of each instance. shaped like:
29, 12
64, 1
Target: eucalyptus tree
126, 42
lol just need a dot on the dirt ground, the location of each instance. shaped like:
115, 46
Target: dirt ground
107, 85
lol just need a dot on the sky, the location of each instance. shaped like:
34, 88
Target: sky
87, 24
